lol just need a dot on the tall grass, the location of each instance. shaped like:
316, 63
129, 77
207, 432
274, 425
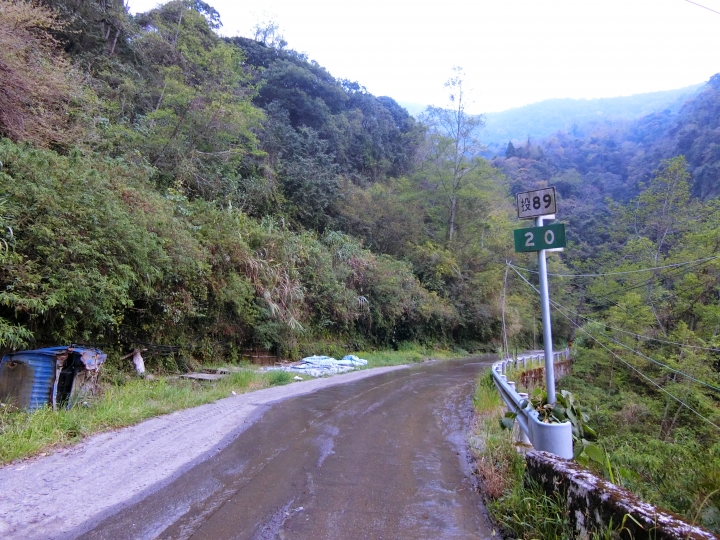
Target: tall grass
498, 464
526, 511
519, 507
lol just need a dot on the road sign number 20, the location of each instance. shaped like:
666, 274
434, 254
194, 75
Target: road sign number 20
549, 238
538, 238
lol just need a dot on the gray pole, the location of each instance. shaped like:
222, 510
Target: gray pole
547, 322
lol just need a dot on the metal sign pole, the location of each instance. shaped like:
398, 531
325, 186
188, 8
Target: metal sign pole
547, 322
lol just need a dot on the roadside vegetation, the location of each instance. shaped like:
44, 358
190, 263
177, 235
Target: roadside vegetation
518, 509
679, 474
677, 470
126, 399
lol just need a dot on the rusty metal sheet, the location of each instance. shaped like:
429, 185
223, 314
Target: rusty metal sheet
34, 379
92, 359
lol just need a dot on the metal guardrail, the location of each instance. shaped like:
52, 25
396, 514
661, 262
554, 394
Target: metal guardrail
553, 438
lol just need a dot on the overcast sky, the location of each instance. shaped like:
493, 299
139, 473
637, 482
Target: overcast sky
514, 52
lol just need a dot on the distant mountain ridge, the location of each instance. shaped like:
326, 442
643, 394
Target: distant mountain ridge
540, 120
576, 116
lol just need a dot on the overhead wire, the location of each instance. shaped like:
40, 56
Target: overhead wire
623, 272
704, 7
641, 336
644, 283
638, 353
624, 361
625, 288
628, 364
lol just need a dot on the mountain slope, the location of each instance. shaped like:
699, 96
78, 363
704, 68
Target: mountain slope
576, 116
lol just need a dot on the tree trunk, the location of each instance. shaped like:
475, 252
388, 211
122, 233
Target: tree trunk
451, 225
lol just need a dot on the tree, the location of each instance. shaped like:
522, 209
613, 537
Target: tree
268, 33
659, 215
510, 150
41, 92
453, 146
194, 121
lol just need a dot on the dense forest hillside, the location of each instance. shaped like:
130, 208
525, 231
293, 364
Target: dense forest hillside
294, 163
639, 293
164, 187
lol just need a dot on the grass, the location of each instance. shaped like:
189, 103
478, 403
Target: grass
24, 434
521, 510
499, 466
407, 353
127, 400
278, 377
677, 469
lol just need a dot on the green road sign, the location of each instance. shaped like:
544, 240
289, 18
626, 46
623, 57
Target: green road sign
538, 238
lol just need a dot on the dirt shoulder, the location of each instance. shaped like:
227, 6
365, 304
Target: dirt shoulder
53, 496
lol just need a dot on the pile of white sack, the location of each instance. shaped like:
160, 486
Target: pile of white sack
318, 366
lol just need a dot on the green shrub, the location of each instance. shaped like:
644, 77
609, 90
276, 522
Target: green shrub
278, 377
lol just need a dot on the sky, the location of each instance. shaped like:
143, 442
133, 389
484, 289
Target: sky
513, 52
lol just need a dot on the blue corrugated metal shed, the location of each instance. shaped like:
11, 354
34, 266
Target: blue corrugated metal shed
29, 379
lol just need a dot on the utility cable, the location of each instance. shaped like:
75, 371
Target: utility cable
657, 362
704, 7
624, 272
633, 286
644, 283
648, 282
627, 363
638, 353
588, 319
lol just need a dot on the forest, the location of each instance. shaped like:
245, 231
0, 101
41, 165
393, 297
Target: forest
166, 188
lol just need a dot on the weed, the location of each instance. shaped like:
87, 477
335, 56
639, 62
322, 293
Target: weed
526, 511
278, 377
520, 507
497, 462
408, 352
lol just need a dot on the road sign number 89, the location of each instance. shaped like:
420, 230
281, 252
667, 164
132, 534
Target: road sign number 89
547, 199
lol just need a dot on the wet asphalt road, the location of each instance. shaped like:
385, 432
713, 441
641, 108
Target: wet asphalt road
379, 458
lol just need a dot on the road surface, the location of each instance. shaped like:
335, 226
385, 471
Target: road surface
379, 457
